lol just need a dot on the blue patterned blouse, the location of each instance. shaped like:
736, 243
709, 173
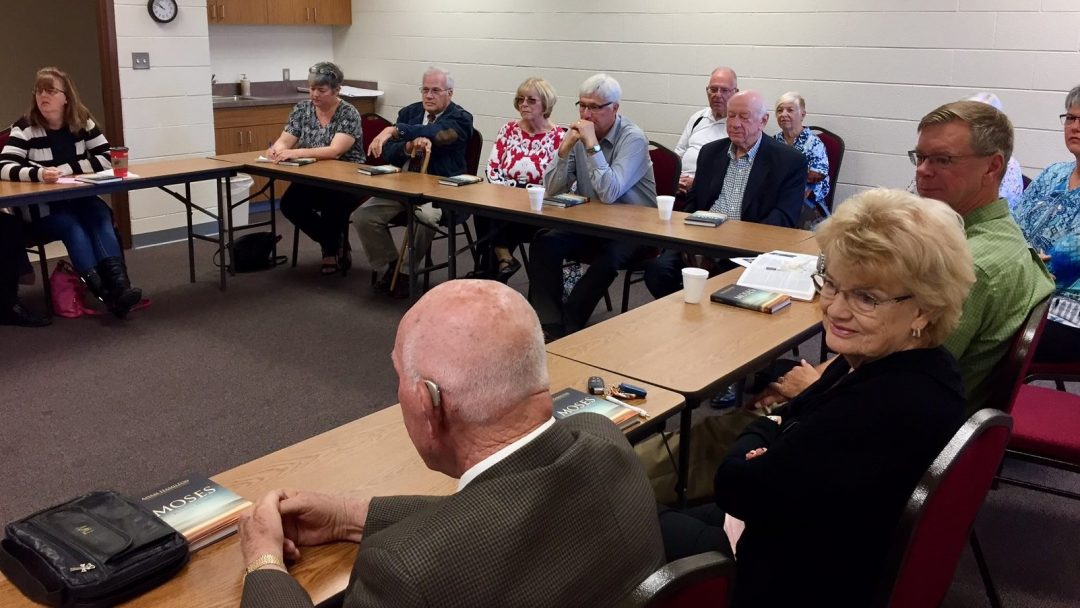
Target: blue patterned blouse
1049, 215
816, 160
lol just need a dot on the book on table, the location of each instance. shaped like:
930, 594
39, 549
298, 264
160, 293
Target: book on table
711, 219
199, 508
460, 180
377, 169
782, 272
752, 299
565, 199
571, 401
101, 177
292, 162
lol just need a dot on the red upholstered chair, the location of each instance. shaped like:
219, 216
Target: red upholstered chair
938, 517
834, 149
691, 582
1008, 376
1059, 371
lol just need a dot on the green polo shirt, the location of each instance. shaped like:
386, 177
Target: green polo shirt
1009, 281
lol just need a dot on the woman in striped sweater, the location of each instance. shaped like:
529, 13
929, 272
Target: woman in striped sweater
56, 138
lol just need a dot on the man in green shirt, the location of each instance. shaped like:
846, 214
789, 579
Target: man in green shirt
960, 159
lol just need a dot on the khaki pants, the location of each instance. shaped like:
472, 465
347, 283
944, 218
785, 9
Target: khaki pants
372, 223
710, 439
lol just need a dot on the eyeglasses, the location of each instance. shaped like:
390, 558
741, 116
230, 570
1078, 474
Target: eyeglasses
722, 90
322, 70
939, 160
532, 101
592, 107
436, 91
49, 91
1068, 119
859, 300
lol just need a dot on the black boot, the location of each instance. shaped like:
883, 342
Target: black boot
120, 296
94, 284
14, 313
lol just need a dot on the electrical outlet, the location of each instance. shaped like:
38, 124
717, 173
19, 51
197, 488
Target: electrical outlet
140, 61
285, 74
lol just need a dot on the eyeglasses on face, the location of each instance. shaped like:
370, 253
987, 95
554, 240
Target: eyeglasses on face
939, 160
1068, 119
722, 90
436, 91
858, 300
51, 91
592, 107
532, 101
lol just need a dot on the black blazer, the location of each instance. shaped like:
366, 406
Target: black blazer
821, 505
449, 135
774, 193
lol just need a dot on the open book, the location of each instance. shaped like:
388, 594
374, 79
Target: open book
782, 272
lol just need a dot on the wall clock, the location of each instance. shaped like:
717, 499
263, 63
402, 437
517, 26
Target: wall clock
162, 11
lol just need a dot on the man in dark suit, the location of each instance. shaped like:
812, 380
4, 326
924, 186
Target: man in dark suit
546, 513
434, 125
746, 176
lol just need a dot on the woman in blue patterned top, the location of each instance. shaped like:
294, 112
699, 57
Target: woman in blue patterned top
322, 127
1049, 215
790, 112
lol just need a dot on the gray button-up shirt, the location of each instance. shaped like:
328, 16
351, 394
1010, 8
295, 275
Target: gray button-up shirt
621, 172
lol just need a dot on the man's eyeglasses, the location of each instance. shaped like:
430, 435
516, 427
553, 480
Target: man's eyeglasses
939, 160
857, 299
532, 101
1068, 119
722, 90
49, 91
436, 91
592, 107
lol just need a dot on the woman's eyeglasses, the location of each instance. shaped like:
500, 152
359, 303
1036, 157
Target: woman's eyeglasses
858, 299
532, 101
49, 91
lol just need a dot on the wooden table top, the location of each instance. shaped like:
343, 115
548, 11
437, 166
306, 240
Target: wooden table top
692, 349
366, 457
337, 172
632, 220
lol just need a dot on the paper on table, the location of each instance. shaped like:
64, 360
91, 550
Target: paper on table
744, 262
782, 272
70, 179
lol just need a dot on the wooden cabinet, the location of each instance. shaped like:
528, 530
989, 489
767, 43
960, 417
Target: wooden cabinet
280, 12
236, 12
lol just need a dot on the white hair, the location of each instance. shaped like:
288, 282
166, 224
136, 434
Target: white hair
445, 74
724, 68
603, 86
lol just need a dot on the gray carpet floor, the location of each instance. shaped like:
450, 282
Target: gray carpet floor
205, 380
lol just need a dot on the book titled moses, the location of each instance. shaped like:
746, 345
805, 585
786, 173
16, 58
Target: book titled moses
752, 299
200, 509
377, 169
460, 180
571, 401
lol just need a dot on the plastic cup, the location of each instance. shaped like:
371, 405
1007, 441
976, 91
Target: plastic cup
693, 280
665, 204
119, 156
536, 197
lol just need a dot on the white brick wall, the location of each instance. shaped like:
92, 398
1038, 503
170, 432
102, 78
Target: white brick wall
167, 111
869, 69
261, 51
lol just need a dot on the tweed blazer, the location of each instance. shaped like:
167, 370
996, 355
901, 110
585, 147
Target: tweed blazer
567, 520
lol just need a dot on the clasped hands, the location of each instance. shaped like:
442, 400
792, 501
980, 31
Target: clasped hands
278, 153
580, 130
789, 385
282, 521
420, 144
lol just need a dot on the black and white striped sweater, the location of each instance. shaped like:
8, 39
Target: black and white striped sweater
27, 152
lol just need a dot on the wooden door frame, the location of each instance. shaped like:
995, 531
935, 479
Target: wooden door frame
113, 108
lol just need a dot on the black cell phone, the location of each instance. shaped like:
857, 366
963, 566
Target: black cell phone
596, 385
633, 390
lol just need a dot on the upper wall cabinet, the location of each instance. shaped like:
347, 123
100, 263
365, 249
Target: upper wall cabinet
279, 12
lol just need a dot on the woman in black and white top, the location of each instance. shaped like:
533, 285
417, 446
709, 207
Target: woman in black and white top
322, 127
58, 138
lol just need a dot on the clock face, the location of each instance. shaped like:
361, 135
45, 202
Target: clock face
162, 11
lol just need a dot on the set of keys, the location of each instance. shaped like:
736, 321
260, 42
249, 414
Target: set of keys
619, 391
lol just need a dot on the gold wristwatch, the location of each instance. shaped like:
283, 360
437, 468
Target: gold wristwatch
264, 560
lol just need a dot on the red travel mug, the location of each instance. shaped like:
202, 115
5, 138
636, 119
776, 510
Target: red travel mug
119, 156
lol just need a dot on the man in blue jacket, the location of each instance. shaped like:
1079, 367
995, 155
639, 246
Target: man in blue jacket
434, 125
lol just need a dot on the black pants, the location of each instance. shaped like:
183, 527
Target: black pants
605, 259
1059, 344
321, 213
693, 531
13, 261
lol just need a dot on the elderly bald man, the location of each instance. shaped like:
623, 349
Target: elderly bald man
546, 513
745, 176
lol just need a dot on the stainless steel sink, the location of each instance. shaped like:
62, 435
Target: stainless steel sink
216, 98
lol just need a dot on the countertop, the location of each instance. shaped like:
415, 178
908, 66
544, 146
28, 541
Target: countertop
272, 93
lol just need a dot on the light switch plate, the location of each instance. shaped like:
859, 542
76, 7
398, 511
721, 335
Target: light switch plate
285, 74
140, 61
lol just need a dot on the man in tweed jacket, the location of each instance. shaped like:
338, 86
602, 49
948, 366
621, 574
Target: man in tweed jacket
546, 514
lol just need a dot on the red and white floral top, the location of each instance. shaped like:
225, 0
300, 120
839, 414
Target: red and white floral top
520, 158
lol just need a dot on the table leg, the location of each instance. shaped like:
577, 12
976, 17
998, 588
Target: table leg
221, 231
685, 419
227, 220
410, 228
190, 231
451, 239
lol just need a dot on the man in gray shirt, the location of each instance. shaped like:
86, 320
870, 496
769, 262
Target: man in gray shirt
605, 157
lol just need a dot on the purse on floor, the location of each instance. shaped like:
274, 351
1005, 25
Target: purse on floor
68, 292
97, 550
255, 251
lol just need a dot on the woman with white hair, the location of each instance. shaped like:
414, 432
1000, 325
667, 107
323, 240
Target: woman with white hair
790, 112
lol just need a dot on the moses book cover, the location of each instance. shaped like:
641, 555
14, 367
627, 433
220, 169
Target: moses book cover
377, 169
705, 218
750, 298
200, 509
565, 200
571, 401
460, 180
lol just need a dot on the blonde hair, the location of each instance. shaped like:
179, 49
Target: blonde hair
76, 115
918, 242
991, 129
544, 90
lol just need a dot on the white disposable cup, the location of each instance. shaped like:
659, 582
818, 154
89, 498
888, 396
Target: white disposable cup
693, 280
664, 204
536, 197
